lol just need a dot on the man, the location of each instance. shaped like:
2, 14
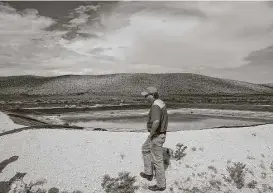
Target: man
152, 149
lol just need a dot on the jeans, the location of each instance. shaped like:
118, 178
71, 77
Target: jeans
152, 152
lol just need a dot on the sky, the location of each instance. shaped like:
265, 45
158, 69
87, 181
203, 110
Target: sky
225, 39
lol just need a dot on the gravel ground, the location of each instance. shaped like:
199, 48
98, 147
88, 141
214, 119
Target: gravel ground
77, 160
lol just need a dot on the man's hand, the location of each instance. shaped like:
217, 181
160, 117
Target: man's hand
154, 128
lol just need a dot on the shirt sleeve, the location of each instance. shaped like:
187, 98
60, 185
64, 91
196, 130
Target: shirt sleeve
155, 113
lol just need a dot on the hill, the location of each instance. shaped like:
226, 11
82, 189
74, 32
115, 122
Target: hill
270, 85
127, 85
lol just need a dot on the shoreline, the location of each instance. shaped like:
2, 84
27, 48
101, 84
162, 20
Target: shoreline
61, 127
22, 119
115, 120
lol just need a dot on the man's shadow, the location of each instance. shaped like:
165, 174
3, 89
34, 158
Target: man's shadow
5, 185
6, 162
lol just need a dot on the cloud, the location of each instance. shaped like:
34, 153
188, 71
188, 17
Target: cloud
258, 69
24, 43
230, 31
134, 37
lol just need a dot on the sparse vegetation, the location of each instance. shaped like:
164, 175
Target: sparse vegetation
250, 171
33, 187
179, 152
267, 188
122, 156
262, 165
252, 184
209, 187
213, 169
237, 174
216, 184
201, 175
215, 91
263, 175
17, 185
124, 183
54, 190
250, 157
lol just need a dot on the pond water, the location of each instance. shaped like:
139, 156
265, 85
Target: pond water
135, 120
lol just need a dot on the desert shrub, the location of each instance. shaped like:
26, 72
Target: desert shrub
53, 190
226, 179
18, 186
250, 157
33, 187
179, 152
237, 174
216, 184
252, 184
124, 183
39, 190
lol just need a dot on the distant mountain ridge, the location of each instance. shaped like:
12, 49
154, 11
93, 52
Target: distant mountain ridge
127, 84
268, 85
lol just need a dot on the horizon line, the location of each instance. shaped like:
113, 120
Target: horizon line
124, 73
